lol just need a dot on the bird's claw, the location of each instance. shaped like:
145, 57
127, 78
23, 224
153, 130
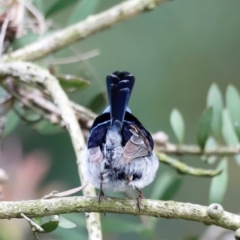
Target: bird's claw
139, 199
100, 196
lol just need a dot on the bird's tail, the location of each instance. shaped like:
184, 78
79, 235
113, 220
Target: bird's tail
119, 86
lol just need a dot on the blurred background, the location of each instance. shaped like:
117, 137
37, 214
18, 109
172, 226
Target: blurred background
176, 52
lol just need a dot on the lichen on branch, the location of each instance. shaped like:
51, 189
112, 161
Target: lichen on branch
154, 208
81, 30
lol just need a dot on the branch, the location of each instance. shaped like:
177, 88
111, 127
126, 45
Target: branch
185, 169
36, 102
50, 109
195, 150
86, 117
214, 214
30, 73
81, 30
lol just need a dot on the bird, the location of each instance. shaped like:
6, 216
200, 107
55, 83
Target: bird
119, 153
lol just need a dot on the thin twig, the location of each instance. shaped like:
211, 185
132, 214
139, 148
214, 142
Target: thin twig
47, 109
36, 236
39, 100
196, 151
27, 103
185, 169
38, 15
86, 117
3, 33
83, 29
55, 194
48, 106
17, 15
32, 223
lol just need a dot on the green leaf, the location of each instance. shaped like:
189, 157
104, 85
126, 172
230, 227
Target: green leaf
47, 128
82, 10
218, 185
165, 186
12, 121
215, 100
49, 226
38, 220
65, 223
177, 124
229, 135
72, 83
233, 107
59, 5
204, 127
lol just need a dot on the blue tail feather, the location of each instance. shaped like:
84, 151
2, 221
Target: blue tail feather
111, 80
119, 85
119, 104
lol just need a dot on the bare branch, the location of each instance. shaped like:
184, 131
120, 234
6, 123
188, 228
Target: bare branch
3, 34
66, 193
160, 209
196, 151
185, 169
32, 223
81, 30
31, 73
51, 109
86, 117
46, 105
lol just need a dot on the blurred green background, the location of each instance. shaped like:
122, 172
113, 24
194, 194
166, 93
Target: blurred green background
175, 52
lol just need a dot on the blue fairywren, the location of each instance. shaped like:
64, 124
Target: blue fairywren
119, 150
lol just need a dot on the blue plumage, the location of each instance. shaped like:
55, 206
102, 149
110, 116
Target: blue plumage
119, 86
98, 131
119, 150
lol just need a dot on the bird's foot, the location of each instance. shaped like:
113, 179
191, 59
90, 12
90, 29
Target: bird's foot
100, 196
139, 199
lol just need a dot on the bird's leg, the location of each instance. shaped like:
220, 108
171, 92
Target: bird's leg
139, 198
101, 193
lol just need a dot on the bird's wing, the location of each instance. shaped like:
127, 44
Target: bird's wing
137, 146
95, 154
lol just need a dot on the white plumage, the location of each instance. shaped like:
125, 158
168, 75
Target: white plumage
92, 171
